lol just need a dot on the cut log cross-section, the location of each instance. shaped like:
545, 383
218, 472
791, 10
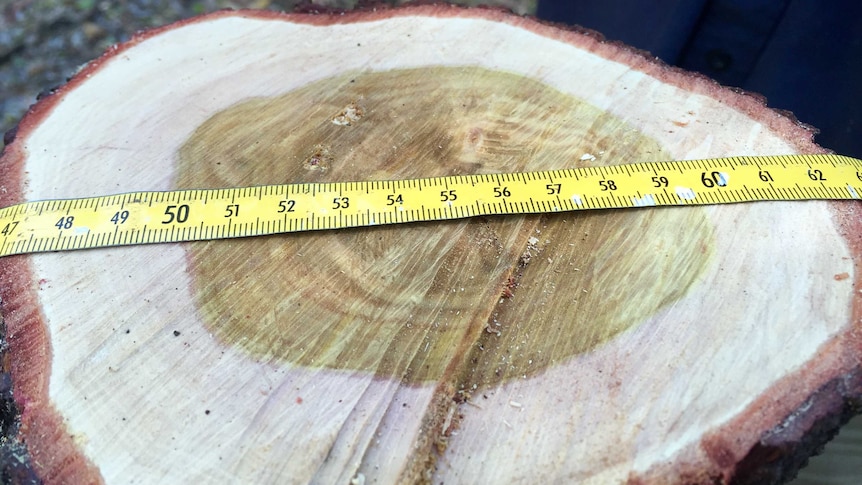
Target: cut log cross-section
671, 345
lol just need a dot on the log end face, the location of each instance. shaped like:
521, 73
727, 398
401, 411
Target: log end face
376, 290
53, 451
322, 158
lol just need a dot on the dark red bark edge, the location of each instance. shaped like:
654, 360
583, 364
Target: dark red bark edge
777, 456
784, 450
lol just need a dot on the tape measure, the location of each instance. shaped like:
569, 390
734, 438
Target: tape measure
195, 215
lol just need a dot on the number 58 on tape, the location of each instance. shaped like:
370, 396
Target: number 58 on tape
204, 214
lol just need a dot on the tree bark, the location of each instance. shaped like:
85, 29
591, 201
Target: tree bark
672, 345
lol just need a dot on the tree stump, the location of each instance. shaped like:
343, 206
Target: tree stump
664, 345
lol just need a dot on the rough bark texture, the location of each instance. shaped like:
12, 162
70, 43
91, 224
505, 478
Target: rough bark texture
664, 346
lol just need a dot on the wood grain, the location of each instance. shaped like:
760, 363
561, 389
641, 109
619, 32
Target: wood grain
654, 345
425, 288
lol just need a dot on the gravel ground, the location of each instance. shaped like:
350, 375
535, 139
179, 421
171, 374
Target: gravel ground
43, 42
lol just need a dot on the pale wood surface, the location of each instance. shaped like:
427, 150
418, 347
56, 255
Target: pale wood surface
635, 345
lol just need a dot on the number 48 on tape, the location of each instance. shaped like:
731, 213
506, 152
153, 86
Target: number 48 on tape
204, 214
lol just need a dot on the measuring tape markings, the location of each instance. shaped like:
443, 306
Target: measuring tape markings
204, 214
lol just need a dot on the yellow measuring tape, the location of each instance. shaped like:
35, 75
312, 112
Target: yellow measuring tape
194, 215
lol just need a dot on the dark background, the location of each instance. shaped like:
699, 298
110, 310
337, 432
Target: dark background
805, 56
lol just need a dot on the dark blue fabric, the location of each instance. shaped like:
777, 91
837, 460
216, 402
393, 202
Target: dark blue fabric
803, 55
661, 27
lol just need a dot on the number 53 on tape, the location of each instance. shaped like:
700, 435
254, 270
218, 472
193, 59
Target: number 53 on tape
204, 214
